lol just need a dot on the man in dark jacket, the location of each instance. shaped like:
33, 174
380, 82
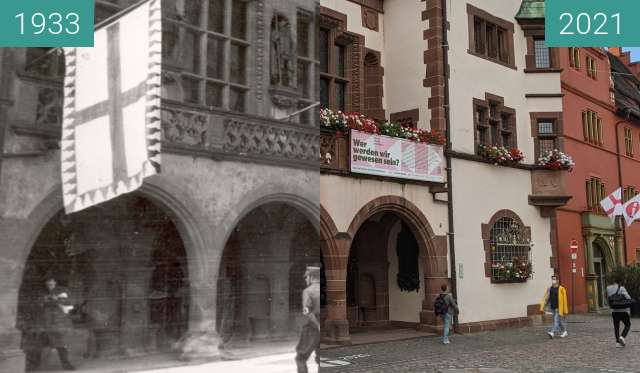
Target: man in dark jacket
310, 337
55, 306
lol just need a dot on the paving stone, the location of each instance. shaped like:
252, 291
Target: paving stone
589, 348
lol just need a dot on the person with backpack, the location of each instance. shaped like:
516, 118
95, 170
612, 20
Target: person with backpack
555, 298
445, 305
620, 303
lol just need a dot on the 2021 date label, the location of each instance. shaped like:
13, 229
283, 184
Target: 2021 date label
591, 23
46, 23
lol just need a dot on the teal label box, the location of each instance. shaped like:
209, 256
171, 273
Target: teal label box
592, 23
46, 23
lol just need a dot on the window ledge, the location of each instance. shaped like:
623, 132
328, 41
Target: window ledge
542, 71
477, 158
484, 57
513, 281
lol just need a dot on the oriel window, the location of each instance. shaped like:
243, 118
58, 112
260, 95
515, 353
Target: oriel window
206, 46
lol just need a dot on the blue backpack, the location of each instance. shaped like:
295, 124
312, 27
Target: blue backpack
440, 306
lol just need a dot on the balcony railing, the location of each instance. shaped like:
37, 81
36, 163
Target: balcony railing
188, 129
220, 134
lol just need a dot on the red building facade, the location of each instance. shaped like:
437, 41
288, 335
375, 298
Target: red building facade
601, 131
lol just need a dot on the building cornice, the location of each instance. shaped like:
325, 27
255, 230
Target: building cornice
586, 96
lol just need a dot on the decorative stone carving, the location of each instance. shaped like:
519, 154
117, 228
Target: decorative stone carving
283, 98
271, 140
260, 50
184, 127
49, 109
283, 57
334, 151
370, 18
327, 150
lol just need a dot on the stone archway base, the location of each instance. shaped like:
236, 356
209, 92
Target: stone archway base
335, 251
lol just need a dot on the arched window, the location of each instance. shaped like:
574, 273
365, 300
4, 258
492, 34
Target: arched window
509, 249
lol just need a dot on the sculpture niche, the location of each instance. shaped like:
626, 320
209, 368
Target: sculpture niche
283, 62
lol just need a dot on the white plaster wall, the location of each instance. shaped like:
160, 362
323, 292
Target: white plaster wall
472, 76
480, 190
543, 83
343, 197
373, 39
499, 188
404, 48
403, 306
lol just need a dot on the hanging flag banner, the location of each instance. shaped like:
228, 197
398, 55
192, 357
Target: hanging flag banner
612, 204
631, 210
111, 122
393, 157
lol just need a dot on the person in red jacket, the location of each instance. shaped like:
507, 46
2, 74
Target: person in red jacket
555, 299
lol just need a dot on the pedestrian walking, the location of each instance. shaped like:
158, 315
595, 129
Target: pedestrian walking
55, 306
555, 299
620, 302
310, 336
445, 306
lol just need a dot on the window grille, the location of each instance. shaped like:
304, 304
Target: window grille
510, 252
543, 59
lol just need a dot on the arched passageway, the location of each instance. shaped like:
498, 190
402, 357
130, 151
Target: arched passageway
261, 275
385, 275
385, 269
124, 266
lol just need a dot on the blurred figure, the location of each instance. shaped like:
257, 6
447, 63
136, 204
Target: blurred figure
310, 336
55, 306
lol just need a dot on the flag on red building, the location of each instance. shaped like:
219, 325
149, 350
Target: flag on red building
612, 204
111, 127
631, 210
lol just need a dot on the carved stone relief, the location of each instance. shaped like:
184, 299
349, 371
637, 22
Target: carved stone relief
184, 127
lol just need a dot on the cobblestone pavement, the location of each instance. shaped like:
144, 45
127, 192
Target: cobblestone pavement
589, 348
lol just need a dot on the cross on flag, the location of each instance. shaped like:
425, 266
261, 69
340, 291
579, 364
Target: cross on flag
614, 206
631, 210
111, 133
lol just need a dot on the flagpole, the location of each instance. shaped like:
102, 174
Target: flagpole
290, 116
102, 24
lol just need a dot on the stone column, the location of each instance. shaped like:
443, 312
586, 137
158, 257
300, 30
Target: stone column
619, 243
335, 329
280, 300
590, 276
436, 273
12, 358
202, 340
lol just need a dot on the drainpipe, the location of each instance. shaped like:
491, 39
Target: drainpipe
451, 235
622, 224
